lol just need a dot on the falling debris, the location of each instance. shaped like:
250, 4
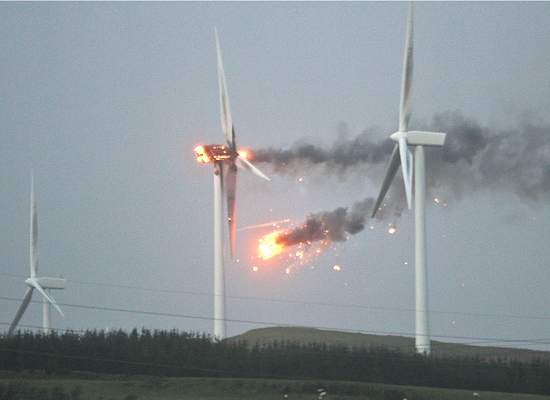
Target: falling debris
324, 227
270, 245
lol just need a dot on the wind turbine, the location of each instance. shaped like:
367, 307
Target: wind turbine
226, 159
410, 163
41, 284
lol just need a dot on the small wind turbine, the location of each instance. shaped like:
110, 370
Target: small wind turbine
226, 159
41, 284
402, 155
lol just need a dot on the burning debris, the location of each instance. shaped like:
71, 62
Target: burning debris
324, 227
270, 245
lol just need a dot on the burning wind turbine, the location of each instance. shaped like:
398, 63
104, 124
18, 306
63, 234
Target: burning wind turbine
226, 159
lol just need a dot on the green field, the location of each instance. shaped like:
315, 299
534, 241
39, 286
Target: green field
91, 387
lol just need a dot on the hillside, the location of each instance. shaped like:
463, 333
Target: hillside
263, 336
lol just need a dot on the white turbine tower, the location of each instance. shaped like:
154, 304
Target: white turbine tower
41, 284
402, 155
226, 160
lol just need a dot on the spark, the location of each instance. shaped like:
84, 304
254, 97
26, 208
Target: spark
436, 200
337, 268
301, 179
392, 229
255, 268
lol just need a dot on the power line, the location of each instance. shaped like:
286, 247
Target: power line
303, 302
278, 323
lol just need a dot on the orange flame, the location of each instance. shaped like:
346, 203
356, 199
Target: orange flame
244, 153
269, 246
202, 156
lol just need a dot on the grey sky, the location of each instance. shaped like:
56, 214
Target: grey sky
107, 101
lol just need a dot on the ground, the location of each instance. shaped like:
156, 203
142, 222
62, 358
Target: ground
95, 387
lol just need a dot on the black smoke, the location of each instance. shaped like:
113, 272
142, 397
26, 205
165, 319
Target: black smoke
332, 226
514, 161
474, 158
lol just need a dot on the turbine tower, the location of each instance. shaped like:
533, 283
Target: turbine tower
42, 284
225, 159
410, 162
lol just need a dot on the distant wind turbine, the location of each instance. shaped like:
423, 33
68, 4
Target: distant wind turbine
403, 155
226, 159
41, 284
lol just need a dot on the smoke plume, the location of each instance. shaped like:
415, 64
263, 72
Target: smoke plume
332, 226
474, 158
514, 161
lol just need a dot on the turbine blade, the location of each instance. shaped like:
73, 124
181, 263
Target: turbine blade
33, 240
406, 167
406, 82
243, 163
20, 311
393, 165
50, 299
225, 109
230, 185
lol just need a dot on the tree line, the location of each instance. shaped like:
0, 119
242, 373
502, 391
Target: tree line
183, 354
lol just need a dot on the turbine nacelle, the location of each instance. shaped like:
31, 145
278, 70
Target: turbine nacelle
218, 152
420, 138
213, 152
396, 136
47, 283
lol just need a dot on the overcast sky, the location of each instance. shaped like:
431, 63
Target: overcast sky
107, 101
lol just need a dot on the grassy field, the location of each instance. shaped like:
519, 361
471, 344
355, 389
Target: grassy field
400, 343
152, 388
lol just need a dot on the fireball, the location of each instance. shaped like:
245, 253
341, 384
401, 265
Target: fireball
201, 155
269, 246
244, 153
